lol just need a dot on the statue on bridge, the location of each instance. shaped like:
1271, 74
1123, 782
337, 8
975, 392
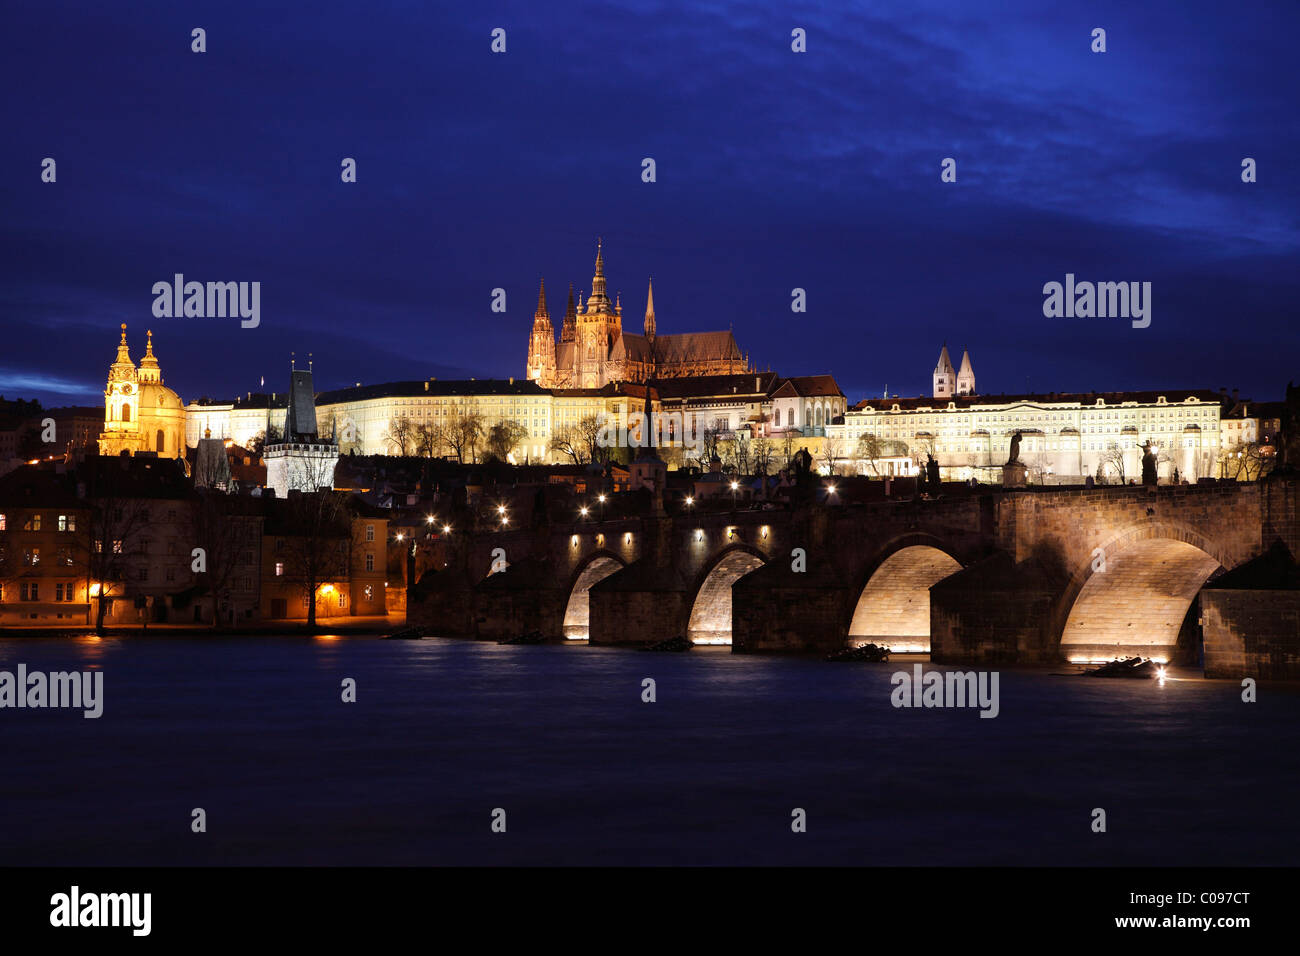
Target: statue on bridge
1148, 464
1015, 449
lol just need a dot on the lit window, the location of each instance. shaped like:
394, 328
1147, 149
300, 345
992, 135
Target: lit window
33, 523
67, 522
279, 569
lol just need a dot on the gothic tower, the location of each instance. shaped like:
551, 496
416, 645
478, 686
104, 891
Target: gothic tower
541, 346
569, 326
598, 326
650, 311
945, 377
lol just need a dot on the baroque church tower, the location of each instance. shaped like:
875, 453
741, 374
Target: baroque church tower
141, 415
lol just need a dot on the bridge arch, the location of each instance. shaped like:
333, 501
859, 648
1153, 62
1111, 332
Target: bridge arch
577, 612
709, 621
893, 604
1134, 595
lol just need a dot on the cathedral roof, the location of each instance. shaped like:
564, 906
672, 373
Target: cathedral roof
684, 347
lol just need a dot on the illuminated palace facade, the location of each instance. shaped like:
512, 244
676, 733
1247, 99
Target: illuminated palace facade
1065, 437
593, 350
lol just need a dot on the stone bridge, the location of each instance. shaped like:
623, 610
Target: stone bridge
1027, 575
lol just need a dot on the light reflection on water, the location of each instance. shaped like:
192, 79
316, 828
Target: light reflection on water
254, 731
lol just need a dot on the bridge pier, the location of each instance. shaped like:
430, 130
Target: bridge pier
1252, 620
641, 604
995, 612
777, 609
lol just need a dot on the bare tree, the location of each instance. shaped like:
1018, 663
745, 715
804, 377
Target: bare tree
222, 535
1111, 462
740, 452
462, 432
762, 449
399, 437
869, 450
589, 431
832, 452
317, 542
787, 447
504, 437
111, 540
567, 440
426, 439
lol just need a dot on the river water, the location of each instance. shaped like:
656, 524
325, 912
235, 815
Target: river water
254, 732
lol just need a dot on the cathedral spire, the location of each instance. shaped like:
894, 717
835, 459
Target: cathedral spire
650, 311
570, 319
598, 301
541, 302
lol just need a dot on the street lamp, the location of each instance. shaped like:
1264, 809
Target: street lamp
601, 499
735, 485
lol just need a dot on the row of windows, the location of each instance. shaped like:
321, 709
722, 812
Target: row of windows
33, 522
31, 591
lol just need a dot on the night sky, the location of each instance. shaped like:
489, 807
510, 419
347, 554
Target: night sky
775, 170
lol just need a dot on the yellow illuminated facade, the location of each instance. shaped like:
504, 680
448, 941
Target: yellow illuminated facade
140, 413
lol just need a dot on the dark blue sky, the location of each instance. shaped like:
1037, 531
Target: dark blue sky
775, 170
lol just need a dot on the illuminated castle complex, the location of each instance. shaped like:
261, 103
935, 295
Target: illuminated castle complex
594, 351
